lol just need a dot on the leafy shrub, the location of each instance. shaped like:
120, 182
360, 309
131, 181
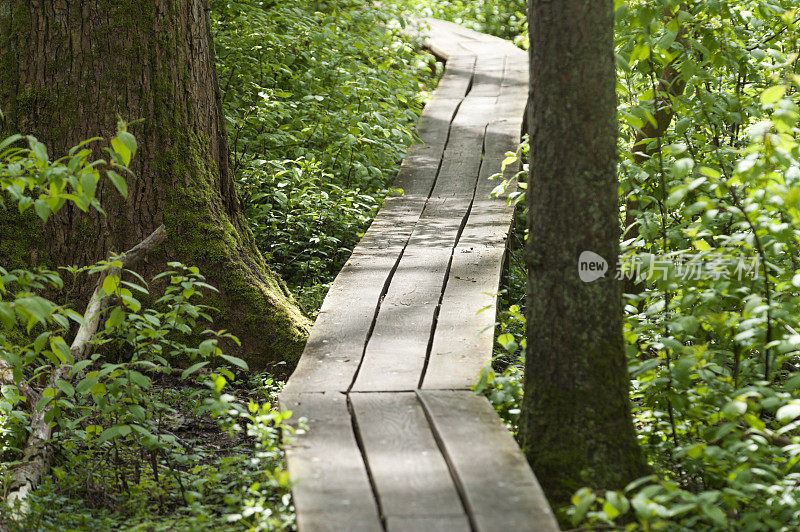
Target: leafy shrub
114, 422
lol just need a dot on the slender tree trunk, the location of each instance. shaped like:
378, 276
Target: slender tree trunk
576, 426
68, 69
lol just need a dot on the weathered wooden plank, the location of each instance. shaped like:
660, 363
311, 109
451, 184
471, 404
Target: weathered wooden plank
428, 524
336, 343
434, 123
500, 490
456, 78
335, 346
461, 161
464, 335
410, 474
326, 466
333, 521
395, 355
446, 38
501, 138
488, 76
464, 332
515, 77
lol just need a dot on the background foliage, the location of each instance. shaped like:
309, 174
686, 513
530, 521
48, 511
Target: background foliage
713, 357
321, 99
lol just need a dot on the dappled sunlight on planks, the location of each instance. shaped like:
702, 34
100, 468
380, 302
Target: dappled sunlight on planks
396, 440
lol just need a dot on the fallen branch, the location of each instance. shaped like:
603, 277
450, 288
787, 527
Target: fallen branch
36, 455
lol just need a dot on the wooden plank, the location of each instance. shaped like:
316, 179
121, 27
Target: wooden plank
464, 332
333, 521
335, 346
326, 466
395, 355
428, 524
464, 335
515, 77
410, 474
336, 343
488, 76
446, 38
456, 78
499, 487
461, 162
434, 123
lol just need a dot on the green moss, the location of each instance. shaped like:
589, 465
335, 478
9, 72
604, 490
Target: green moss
22, 233
252, 301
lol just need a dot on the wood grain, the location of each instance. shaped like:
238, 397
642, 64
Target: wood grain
410, 474
500, 490
326, 466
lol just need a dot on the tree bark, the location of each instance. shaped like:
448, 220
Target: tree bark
68, 69
575, 425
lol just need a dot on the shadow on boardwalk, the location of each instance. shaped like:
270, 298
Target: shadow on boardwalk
396, 439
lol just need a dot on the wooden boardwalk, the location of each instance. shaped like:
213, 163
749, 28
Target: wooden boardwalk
396, 439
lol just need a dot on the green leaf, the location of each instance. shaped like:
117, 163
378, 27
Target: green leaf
122, 150
79, 366
702, 245
773, 94
6, 315
235, 361
36, 306
207, 347
85, 385
65, 387
10, 140
193, 368
41, 341
114, 432
47, 396
116, 318
734, 409
128, 140
110, 284
42, 209
61, 349
119, 182
38, 149
710, 172
788, 412
716, 514
89, 184
610, 511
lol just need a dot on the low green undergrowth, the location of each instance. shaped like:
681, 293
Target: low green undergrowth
321, 99
148, 430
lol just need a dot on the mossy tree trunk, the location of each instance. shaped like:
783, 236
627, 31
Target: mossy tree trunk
576, 427
68, 69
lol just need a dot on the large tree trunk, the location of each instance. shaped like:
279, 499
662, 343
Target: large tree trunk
68, 69
576, 426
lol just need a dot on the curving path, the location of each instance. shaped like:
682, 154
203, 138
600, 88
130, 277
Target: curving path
396, 440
